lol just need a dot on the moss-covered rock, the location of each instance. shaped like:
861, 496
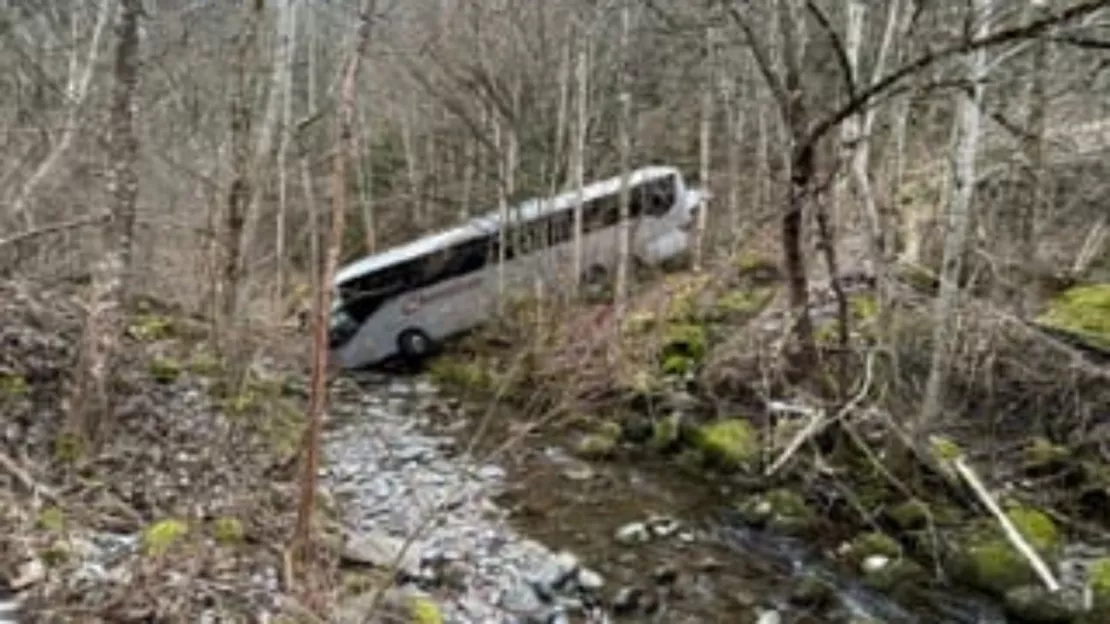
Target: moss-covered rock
462, 374
731, 443
229, 530
13, 386
425, 611
780, 510
1099, 582
151, 328
683, 349
159, 537
909, 515
596, 446
1034, 604
51, 519
666, 432
165, 369
870, 544
985, 558
1084, 310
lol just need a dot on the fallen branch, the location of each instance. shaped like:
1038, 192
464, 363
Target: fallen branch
817, 421
21, 475
1015, 537
53, 228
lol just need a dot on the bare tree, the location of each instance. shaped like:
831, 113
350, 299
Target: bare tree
88, 401
624, 141
310, 450
960, 206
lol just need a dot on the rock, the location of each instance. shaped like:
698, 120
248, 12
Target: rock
664, 575
1033, 604
596, 446
380, 550
731, 443
579, 472
663, 526
627, 600
874, 563
521, 600
666, 432
30, 573
590, 580
780, 510
986, 559
769, 616
813, 593
633, 533
636, 429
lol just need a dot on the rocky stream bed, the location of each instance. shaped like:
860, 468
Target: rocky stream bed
535, 534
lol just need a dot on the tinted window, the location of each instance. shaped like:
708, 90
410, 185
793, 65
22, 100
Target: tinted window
657, 197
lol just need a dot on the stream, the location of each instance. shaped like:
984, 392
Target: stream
537, 535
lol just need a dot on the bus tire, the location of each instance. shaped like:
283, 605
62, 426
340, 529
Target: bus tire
596, 281
414, 344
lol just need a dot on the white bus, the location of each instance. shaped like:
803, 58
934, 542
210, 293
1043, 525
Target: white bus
406, 300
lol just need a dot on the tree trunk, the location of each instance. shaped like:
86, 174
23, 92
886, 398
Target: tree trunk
705, 127
344, 147
579, 157
960, 207
624, 140
1033, 207
289, 56
241, 188
264, 149
88, 399
76, 91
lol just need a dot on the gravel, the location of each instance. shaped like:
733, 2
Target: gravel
390, 474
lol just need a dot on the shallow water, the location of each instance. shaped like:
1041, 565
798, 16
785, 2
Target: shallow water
708, 568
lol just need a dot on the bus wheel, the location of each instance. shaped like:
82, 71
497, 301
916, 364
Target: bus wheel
414, 344
596, 281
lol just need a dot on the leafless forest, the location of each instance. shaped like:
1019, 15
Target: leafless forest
180, 180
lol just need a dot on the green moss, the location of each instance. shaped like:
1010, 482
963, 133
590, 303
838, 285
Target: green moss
731, 443
989, 561
678, 365
639, 323
685, 339
51, 519
864, 307
13, 385
910, 515
165, 370
596, 446
944, 449
665, 432
229, 530
1042, 452
874, 543
780, 510
455, 372
151, 328
425, 611
159, 537
1099, 581
1084, 310
749, 264
205, 365
69, 447
1036, 527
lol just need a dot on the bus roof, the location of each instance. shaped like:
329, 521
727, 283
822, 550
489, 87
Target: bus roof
489, 223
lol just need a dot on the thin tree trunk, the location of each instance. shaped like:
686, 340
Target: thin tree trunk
263, 154
502, 212
88, 400
471, 150
579, 157
77, 90
344, 147
960, 205
290, 52
1033, 207
705, 126
241, 188
624, 130
407, 142
366, 183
